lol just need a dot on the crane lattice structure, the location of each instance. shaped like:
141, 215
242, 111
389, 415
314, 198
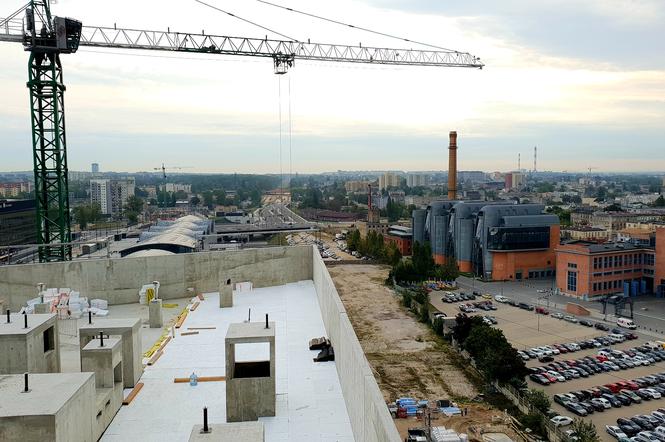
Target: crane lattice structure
46, 37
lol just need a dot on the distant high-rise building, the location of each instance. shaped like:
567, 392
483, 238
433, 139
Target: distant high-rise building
514, 180
95, 167
416, 180
111, 194
356, 186
388, 179
8, 190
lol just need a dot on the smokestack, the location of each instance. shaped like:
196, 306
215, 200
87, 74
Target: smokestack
452, 166
369, 197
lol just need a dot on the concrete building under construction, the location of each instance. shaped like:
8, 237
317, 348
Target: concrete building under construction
497, 241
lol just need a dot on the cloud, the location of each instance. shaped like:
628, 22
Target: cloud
130, 110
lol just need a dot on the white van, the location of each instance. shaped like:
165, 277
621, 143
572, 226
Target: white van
626, 323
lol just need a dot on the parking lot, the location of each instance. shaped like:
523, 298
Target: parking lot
526, 329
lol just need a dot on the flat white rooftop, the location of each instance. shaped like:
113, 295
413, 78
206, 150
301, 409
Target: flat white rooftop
17, 324
48, 393
310, 405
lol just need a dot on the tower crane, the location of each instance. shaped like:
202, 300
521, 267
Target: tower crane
164, 169
46, 37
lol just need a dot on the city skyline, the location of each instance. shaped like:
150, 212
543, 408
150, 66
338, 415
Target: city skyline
592, 104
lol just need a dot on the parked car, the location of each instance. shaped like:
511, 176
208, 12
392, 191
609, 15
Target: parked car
615, 431
557, 315
643, 423
601, 326
586, 323
571, 319
647, 436
561, 421
542, 311
628, 426
576, 408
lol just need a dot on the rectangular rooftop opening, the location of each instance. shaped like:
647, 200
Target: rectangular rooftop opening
256, 369
49, 339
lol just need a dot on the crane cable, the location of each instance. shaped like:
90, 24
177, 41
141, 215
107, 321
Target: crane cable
356, 27
290, 139
281, 173
247, 21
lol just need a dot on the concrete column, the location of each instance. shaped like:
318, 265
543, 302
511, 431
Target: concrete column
155, 314
43, 308
226, 294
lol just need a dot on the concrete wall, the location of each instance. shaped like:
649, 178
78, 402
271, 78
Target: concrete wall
119, 280
370, 419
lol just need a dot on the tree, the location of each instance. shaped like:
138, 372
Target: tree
535, 422
87, 213
613, 208
660, 202
585, 431
134, 204
195, 201
208, 199
539, 400
463, 326
353, 240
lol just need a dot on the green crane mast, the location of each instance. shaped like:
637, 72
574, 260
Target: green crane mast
46, 38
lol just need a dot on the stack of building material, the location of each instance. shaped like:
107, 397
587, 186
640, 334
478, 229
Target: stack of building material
441, 434
77, 305
409, 404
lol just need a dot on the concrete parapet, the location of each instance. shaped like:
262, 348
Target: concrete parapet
232, 432
58, 407
370, 419
118, 280
34, 349
130, 331
155, 316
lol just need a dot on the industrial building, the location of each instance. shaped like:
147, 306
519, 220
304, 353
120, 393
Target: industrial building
587, 269
111, 194
496, 241
402, 237
182, 235
17, 222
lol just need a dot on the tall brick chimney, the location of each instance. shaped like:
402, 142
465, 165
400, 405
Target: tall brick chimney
452, 166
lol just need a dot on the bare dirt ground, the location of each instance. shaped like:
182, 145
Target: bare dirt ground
407, 358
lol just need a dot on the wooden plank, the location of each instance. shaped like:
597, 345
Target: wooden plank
181, 319
202, 328
200, 296
195, 306
200, 379
132, 394
154, 357
189, 333
166, 341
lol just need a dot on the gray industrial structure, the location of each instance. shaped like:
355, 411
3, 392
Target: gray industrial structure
473, 233
182, 235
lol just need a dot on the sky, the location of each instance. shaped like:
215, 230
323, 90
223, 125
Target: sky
583, 81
